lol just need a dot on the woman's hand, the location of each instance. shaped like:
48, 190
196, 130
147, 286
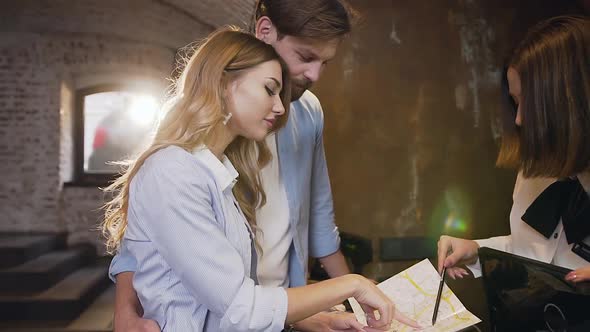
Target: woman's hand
336, 321
579, 275
461, 252
372, 299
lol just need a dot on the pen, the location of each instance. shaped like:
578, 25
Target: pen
438, 295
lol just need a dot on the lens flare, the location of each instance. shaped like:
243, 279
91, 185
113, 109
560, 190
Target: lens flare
452, 214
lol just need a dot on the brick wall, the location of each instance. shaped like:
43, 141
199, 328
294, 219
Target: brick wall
48, 50
217, 13
29, 137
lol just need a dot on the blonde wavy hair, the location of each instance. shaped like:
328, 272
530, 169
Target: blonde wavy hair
194, 116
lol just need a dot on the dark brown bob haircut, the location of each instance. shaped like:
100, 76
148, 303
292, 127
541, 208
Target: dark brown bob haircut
553, 62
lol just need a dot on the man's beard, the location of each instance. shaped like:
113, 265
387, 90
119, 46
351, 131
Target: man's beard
298, 88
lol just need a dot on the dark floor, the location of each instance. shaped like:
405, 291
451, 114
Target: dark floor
46, 285
98, 317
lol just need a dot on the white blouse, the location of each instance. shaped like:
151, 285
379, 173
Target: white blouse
525, 240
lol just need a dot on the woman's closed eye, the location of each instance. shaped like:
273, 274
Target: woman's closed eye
270, 91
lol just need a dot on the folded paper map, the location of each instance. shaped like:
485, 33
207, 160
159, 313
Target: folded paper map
414, 292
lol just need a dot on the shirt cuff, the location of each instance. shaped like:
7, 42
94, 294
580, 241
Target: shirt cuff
322, 246
475, 268
256, 308
120, 264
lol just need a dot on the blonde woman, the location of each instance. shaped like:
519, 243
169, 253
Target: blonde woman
186, 207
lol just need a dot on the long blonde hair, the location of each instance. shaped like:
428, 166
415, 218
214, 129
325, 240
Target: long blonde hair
195, 116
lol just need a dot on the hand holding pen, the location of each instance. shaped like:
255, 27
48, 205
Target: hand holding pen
454, 251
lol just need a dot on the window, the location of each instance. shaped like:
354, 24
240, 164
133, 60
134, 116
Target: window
112, 124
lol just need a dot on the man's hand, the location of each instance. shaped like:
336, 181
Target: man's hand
133, 323
128, 310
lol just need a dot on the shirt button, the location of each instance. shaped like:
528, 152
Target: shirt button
555, 236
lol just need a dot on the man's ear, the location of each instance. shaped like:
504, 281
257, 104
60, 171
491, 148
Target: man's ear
266, 30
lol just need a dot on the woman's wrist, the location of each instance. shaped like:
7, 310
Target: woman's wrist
354, 284
584, 179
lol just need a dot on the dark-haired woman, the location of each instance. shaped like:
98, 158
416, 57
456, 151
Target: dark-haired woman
548, 140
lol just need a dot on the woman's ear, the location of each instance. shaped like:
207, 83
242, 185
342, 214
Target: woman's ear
266, 30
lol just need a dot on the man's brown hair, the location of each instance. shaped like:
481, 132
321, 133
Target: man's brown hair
314, 19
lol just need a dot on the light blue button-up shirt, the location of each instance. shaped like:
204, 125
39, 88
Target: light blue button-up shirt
304, 173
192, 247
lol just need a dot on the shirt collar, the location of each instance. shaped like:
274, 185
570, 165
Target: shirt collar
223, 171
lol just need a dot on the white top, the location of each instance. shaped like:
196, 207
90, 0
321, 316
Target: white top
273, 220
525, 240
